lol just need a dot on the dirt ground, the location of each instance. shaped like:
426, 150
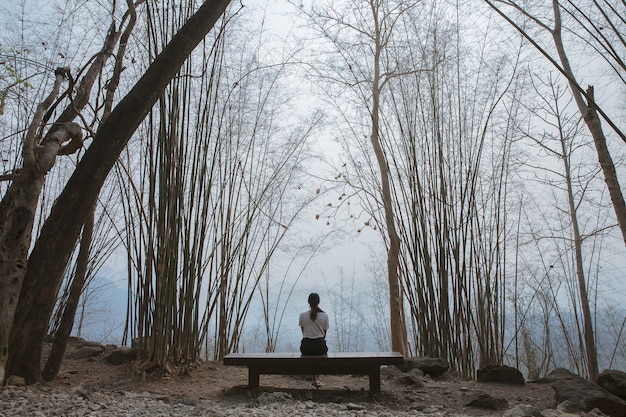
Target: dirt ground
214, 381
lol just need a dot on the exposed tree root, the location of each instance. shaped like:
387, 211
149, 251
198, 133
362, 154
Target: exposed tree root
155, 368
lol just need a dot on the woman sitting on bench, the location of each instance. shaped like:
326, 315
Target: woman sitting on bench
314, 325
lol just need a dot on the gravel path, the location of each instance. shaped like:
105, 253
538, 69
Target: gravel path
41, 401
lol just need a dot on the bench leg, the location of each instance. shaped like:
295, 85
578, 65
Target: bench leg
253, 378
375, 382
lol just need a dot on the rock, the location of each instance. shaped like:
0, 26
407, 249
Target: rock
433, 410
555, 375
85, 352
557, 413
80, 391
522, 410
486, 401
614, 382
594, 413
560, 413
355, 407
500, 373
121, 356
409, 379
185, 401
274, 397
389, 372
79, 342
430, 366
583, 395
16, 381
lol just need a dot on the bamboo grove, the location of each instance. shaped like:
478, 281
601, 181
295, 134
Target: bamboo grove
210, 225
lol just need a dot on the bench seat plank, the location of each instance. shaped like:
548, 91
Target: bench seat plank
334, 363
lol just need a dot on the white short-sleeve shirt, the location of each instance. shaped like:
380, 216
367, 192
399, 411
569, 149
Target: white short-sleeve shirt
313, 329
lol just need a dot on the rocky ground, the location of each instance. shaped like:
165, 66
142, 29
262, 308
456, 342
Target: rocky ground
89, 386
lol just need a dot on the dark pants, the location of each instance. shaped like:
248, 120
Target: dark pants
313, 346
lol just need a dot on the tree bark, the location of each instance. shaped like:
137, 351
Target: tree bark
18, 208
59, 233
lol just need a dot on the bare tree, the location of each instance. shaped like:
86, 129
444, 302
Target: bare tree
585, 99
561, 139
588, 109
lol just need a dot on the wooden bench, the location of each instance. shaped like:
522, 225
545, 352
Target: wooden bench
339, 363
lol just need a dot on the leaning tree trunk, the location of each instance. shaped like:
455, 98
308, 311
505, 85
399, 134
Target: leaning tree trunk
59, 233
589, 114
18, 208
62, 335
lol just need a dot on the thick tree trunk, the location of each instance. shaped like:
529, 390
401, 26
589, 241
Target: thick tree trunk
396, 310
54, 247
18, 208
18, 211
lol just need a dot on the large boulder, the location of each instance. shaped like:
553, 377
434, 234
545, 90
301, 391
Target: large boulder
500, 373
121, 356
411, 379
79, 342
555, 375
430, 366
486, 401
85, 352
614, 382
583, 395
78, 348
